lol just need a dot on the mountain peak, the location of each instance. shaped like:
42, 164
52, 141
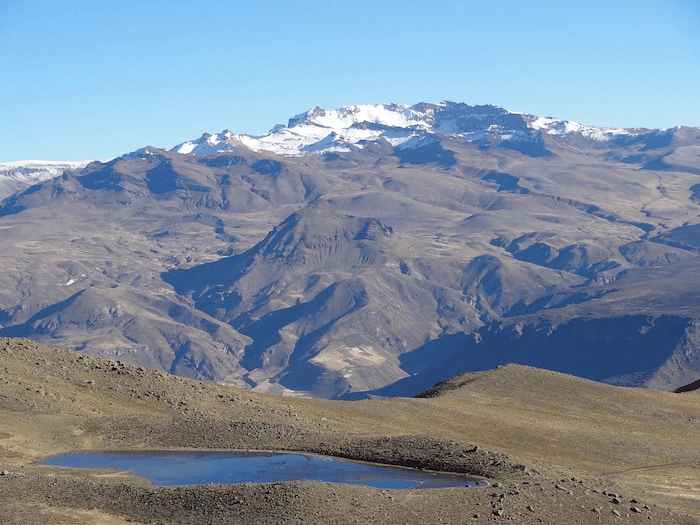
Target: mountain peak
351, 127
387, 115
15, 176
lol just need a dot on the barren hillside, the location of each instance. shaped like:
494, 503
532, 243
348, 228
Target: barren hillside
555, 448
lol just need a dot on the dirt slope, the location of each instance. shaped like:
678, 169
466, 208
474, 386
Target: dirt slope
556, 449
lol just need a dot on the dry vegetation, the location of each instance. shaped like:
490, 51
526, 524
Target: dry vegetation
556, 449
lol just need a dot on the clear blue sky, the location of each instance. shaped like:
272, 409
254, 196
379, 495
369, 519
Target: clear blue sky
87, 79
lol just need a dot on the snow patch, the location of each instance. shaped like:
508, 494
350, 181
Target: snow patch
553, 126
318, 130
18, 175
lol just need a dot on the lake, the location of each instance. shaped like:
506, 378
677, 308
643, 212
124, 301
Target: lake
167, 468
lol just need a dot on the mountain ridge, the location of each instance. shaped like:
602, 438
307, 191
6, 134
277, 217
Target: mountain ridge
328, 131
18, 175
319, 130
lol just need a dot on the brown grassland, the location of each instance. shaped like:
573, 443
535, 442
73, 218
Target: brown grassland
555, 448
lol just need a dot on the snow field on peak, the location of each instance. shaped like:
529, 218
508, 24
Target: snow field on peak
46, 165
319, 130
553, 126
17, 175
31, 171
394, 115
207, 143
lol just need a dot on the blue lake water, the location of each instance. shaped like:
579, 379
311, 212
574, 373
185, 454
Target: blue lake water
202, 467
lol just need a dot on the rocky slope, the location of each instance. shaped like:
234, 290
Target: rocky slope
371, 250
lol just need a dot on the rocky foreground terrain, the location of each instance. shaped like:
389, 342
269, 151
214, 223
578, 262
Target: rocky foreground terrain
554, 448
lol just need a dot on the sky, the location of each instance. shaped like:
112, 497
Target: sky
82, 80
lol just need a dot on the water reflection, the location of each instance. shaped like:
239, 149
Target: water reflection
201, 467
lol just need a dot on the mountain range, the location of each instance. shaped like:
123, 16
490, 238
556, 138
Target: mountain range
371, 250
16, 176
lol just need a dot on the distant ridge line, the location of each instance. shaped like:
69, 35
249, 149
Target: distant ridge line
695, 385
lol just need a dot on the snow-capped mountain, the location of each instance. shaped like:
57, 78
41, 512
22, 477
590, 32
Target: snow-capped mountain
405, 128
338, 130
15, 176
370, 250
